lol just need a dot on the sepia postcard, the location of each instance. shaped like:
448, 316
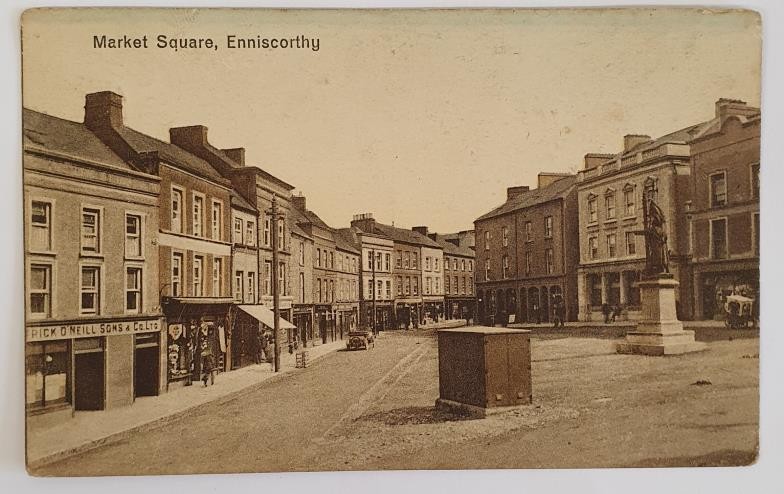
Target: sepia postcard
263, 240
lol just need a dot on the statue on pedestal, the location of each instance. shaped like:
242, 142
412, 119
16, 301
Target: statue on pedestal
654, 231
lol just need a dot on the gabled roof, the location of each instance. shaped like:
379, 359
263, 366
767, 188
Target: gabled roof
346, 240
142, 143
556, 190
62, 136
239, 202
296, 217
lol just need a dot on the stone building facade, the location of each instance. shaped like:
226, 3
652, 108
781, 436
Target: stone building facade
458, 272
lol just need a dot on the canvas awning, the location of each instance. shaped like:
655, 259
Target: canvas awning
265, 316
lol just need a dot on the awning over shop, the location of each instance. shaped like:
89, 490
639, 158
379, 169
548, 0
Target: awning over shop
265, 316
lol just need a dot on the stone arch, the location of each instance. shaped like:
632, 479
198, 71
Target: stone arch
545, 301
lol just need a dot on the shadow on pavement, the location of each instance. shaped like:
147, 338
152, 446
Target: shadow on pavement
414, 416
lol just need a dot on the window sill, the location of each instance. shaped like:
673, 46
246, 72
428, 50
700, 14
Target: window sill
47, 253
135, 258
592, 224
630, 218
91, 255
612, 220
41, 409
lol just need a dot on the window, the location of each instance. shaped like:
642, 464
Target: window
463, 289
611, 245
198, 265
628, 201
548, 261
302, 288
505, 236
251, 287
609, 205
528, 263
217, 277
267, 278
302, 253
176, 274
399, 286
446, 264
718, 189
239, 279
756, 232
41, 226
267, 227
487, 269
40, 290
389, 289
631, 244
487, 240
718, 232
399, 260
438, 287
435, 265
379, 289
46, 372
447, 285
470, 265
427, 263
282, 237
592, 212
593, 248
755, 181
428, 285
378, 260
318, 285
90, 290
91, 230
408, 285
529, 232
454, 264
282, 280
238, 230
133, 290
407, 260
318, 258
198, 216
505, 267
176, 210
250, 232
462, 265
133, 235
470, 285
415, 286
548, 227
414, 260
217, 220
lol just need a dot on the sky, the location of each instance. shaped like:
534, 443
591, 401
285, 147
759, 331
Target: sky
420, 117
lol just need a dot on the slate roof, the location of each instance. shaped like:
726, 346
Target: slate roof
405, 236
66, 137
453, 250
142, 143
240, 202
346, 240
297, 217
558, 189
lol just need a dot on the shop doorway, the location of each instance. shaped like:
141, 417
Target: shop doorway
146, 365
89, 379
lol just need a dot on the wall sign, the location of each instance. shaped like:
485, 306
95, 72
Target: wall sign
91, 330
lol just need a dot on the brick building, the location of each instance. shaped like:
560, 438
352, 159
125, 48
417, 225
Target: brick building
194, 238
243, 334
432, 278
525, 258
458, 272
347, 262
724, 211
302, 287
94, 326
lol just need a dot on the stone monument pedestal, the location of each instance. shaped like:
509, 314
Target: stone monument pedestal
659, 332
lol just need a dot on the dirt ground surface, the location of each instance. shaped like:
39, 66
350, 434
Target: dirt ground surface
375, 410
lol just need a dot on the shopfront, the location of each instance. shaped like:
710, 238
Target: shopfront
303, 320
91, 365
714, 287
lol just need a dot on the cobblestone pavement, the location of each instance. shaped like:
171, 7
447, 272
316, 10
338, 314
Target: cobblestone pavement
374, 410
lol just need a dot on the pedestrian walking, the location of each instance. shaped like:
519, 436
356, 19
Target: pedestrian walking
207, 364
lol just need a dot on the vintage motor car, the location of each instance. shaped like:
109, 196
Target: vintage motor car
360, 340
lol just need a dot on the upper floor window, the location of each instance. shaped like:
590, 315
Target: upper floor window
628, 201
427, 263
505, 236
217, 220
756, 232
251, 286
549, 261
462, 264
631, 243
718, 189
399, 260
176, 274
548, 226
90, 290
318, 258
487, 240
332, 260
238, 230
529, 232
282, 236
198, 215
91, 230
176, 210
718, 235
133, 290
217, 277
133, 235
528, 263
414, 260
611, 245
40, 290
250, 232
446, 264
755, 181
302, 253
387, 258
238, 284
41, 226
505, 267
609, 205
198, 265
593, 248
267, 229
415, 286
593, 215
435, 265
470, 265
487, 269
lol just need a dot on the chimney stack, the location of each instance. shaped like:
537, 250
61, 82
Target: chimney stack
726, 107
545, 179
236, 154
632, 140
191, 138
299, 202
422, 230
103, 110
592, 160
517, 191
364, 222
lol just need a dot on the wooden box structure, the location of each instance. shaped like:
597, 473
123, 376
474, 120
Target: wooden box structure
482, 369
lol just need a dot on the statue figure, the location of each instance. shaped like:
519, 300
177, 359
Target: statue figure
656, 252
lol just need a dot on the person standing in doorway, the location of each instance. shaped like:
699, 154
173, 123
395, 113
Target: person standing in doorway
207, 364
